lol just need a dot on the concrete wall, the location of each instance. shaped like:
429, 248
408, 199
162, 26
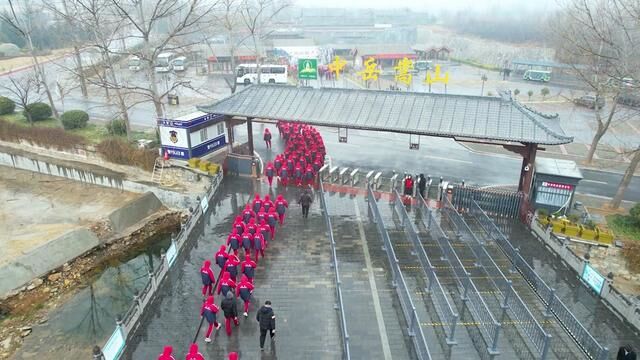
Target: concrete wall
134, 211
45, 258
95, 177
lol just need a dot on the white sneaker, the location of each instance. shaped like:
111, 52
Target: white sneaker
219, 326
245, 314
207, 340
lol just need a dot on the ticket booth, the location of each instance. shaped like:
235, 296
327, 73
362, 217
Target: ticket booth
195, 135
554, 184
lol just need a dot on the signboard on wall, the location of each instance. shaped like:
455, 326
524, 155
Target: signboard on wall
308, 69
593, 278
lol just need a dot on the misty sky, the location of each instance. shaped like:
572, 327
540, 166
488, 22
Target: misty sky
434, 6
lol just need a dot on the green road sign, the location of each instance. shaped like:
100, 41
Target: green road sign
308, 69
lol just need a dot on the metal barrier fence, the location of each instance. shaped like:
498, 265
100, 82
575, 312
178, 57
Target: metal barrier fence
554, 306
487, 324
346, 352
502, 203
404, 294
440, 301
127, 324
512, 303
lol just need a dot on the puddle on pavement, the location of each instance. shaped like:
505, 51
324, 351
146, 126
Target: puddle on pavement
88, 317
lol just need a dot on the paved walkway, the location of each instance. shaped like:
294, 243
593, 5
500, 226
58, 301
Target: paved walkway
295, 276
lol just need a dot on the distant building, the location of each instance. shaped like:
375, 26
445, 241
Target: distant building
432, 52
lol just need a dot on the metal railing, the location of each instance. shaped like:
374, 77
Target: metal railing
404, 294
512, 303
346, 351
487, 324
440, 301
129, 322
554, 306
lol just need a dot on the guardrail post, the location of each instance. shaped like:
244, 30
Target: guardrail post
97, 353
355, 177
494, 344
120, 326
343, 175
376, 180
152, 279
451, 340
369, 178
514, 261
548, 311
412, 326
545, 346
507, 295
432, 272
136, 300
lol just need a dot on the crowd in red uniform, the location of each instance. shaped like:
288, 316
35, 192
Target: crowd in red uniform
302, 158
253, 230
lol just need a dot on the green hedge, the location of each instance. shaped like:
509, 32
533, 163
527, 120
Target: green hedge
117, 127
39, 111
7, 106
74, 119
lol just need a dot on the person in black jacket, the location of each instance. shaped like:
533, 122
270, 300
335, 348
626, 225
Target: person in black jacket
626, 353
230, 309
267, 321
422, 184
305, 200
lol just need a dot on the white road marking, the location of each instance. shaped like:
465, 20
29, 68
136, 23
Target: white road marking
564, 150
386, 349
595, 181
633, 127
447, 159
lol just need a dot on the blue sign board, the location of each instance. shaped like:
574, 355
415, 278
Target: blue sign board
208, 146
593, 278
178, 153
191, 123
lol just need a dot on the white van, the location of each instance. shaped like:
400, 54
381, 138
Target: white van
164, 62
180, 63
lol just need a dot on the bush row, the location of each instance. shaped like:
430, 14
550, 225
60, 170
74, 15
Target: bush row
46, 137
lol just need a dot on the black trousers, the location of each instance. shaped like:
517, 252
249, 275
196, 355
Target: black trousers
263, 335
305, 211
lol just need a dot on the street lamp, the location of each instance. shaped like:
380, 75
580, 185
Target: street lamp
484, 79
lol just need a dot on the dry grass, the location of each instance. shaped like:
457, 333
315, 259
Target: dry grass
120, 152
42, 136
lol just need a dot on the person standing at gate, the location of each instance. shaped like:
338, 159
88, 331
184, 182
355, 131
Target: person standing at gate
230, 308
244, 291
207, 278
305, 201
267, 320
422, 184
408, 185
267, 138
209, 311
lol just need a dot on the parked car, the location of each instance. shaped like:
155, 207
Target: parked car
590, 101
628, 99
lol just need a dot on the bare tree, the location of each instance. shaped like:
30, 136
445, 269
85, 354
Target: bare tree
626, 179
228, 17
24, 91
162, 25
20, 21
259, 17
601, 40
69, 14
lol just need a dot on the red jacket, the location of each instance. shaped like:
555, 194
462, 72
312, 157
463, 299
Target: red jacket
166, 353
245, 284
248, 263
226, 281
222, 254
206, 273
194, 354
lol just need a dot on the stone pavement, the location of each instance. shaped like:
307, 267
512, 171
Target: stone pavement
295, 276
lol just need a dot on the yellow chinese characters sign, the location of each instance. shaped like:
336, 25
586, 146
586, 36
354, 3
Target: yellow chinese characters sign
437, 78
337, 66
403, 71
370, 71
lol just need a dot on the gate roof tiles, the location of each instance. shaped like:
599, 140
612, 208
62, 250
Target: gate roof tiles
444, 115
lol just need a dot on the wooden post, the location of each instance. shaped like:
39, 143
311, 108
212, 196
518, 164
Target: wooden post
250, 134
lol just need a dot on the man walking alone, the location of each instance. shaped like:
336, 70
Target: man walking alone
267, 320
305, 200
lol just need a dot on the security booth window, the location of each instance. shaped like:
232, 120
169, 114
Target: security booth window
552, 194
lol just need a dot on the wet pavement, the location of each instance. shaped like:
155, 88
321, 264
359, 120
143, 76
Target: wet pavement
296, 276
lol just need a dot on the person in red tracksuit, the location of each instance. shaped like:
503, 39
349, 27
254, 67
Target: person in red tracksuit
239, 225
267, 203
234, 356
260, 216
281, 207
272, 219
194, 354
309, 175
284, 176
297, 174
257, 203
277, 163
248, 267
265, 230
207, 278
231, 267
258, 245
244, 291
234, 239
247, 214
270, 172
251, 226
226, 284
166, 353
247, 242
221, 256
209, 311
